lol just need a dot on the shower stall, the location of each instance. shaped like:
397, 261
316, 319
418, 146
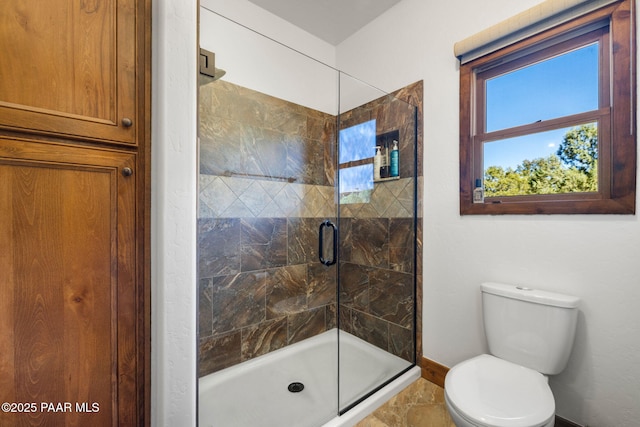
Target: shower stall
308, 236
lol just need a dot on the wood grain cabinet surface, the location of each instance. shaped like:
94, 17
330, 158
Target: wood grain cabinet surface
75, 212
72, 68
68, 288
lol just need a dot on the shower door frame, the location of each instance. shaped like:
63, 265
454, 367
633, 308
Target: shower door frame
415, 93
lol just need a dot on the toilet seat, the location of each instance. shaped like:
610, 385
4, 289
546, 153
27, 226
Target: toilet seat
493, 392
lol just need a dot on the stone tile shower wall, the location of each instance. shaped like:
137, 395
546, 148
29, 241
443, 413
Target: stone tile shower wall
377, 242
266, 182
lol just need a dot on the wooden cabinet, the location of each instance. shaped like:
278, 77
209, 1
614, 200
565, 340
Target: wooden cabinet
68, 288
74, 212
73, 68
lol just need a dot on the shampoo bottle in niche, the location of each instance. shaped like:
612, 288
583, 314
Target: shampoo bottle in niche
478, 192
377, 163
395, 159
384, 166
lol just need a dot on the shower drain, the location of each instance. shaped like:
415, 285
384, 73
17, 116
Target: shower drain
295, 387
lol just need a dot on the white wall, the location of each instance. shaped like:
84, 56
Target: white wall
595, 257
260, 51
261, 21
254, 60
174, 168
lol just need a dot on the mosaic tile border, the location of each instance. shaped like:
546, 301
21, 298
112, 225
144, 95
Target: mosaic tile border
231, 197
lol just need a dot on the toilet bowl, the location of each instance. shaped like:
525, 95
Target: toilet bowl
490, 392
529, 335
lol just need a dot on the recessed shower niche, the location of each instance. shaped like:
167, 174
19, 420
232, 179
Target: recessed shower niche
307, 267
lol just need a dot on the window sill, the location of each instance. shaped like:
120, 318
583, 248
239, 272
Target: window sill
619, 206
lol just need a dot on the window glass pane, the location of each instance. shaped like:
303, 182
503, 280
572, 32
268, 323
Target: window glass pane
553, 162
356, 184
560, 86
358, 142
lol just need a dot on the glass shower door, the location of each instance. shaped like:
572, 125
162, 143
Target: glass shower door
376, 179
267, 150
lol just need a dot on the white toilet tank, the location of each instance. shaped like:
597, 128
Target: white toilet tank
529, 327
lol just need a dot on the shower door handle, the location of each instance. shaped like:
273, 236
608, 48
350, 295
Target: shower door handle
327, 223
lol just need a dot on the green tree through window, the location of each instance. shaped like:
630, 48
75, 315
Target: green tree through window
573, 168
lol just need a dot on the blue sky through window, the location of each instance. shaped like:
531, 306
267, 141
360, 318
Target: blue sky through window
356, 178
564, 85
357, 142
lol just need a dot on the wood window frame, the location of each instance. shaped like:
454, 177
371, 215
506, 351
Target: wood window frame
616, 119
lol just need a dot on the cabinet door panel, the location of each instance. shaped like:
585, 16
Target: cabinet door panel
68, 68
67, 288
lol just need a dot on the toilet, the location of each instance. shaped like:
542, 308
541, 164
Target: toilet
530, 334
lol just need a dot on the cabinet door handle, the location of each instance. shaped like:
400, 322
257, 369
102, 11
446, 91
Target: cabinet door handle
127, 171
127, 122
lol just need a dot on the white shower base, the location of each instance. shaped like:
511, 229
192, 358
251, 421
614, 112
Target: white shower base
255, 394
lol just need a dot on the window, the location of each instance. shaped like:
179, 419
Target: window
547, 124
357, 148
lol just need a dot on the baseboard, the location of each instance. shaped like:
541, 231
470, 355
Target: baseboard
561, 422
434, 372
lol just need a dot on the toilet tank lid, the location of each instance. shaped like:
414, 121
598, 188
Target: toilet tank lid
532, 295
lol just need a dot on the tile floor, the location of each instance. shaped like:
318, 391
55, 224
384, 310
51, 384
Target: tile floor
419, 405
